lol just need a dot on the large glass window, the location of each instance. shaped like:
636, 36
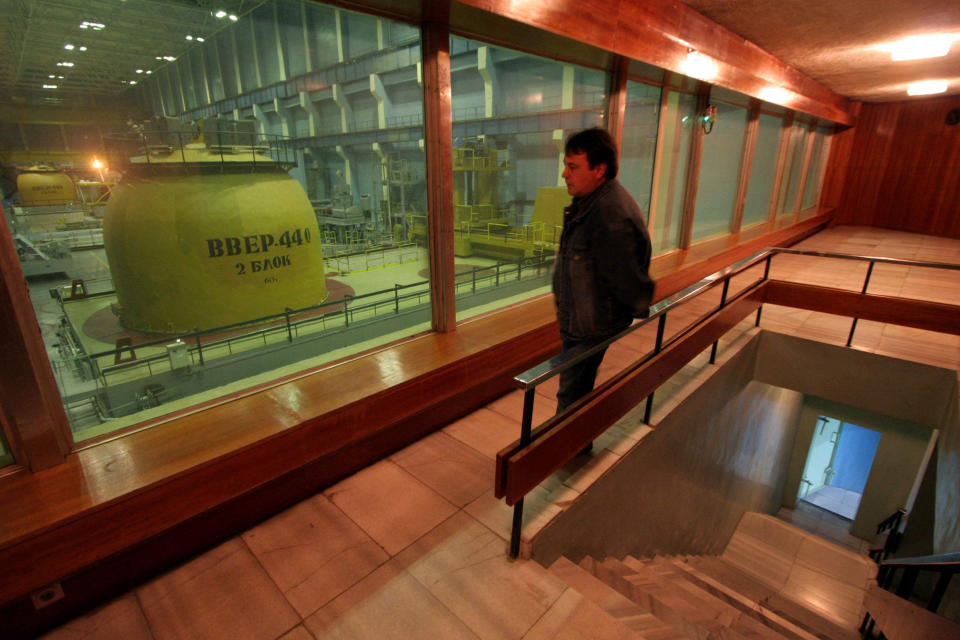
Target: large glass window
679, 118
794, 169
719, 172
763, 170
512, 113
640, 142
818, 163
266, 212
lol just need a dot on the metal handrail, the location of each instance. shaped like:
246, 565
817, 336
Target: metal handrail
537, 375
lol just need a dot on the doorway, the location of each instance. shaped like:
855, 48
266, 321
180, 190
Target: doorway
838, 465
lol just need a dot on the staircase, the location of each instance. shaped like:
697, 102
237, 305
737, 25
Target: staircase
772, 581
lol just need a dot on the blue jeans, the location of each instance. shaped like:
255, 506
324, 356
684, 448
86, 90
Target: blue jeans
578, 380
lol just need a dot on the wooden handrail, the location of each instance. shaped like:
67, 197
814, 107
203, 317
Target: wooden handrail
539, 452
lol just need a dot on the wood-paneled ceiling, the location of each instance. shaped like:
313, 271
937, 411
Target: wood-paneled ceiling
840, 43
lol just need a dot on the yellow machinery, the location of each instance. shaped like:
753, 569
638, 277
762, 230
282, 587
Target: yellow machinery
41, 186
208, 233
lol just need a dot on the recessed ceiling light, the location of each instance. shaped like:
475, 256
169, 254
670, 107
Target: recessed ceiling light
919, 47
926, 87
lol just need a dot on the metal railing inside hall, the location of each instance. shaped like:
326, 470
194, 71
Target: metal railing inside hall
292, 324
529, 380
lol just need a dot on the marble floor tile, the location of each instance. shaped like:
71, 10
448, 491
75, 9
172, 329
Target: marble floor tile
573, 617
120, 618
487, 431
392, 506
224, 593
460, 571
510, 406
389, 604
299, 632
456, 471
313, 552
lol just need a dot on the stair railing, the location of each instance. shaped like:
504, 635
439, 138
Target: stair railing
944, 566
891, 528
539, 452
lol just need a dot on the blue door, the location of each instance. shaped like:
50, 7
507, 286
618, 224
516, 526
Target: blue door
854, 457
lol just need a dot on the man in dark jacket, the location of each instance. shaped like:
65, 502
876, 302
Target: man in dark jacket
601, 280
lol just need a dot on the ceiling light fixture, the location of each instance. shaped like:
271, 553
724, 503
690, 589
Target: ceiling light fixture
233, 17
220, 14
64, 64
189, 37
82, 48
697, 65
775, 95
934, 45
49, 86
927, 87
96, 26
69, 47
199, 39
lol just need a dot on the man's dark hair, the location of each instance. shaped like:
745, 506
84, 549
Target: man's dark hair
599, 147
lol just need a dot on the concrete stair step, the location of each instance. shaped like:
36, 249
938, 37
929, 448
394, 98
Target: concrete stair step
642, 623
754, 590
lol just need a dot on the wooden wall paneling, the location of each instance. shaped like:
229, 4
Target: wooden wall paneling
746, 164
920, 188
438, 133
661, 32
872, 140
838, 163
39, 433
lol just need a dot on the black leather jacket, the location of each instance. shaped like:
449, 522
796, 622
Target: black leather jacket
601, 280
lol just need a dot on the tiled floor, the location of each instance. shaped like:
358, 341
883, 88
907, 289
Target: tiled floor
414, 546
842, 502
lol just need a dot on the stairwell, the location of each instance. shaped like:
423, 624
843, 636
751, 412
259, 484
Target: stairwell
773, 580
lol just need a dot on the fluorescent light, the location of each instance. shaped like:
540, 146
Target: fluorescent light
926, 87
699, 66
133, 82
49, 86
148, 72
51, 76
82, 48
64, 64
199, 39
934, 45
139, 70
96, 26
189, 37
233, 17
69, 47
220, 14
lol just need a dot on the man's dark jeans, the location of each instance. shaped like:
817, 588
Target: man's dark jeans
578, 380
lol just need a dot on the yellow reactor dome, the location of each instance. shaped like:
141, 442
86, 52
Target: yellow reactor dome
42, 186
200, 237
